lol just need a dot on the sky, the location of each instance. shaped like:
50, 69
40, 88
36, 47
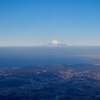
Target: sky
37, 22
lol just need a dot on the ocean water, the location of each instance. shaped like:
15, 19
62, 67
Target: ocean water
28, 56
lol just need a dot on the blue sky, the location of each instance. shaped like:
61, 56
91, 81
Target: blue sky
36, 22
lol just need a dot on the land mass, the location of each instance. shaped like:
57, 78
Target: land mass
50, 82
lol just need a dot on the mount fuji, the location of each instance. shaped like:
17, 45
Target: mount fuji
56, 43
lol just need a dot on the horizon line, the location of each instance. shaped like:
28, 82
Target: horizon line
50, 46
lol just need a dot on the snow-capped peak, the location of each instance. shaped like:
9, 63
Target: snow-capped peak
56, 43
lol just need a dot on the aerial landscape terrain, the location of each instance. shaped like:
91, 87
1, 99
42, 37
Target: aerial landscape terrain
46, 82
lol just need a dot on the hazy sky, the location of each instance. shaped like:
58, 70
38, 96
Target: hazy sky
35, 22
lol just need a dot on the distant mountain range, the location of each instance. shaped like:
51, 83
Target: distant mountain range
56, 43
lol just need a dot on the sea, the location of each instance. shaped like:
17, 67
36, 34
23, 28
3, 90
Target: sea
42, 55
